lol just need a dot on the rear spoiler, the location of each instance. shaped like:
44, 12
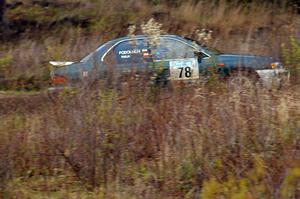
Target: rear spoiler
60, 63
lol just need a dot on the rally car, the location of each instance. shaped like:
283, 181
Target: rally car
167, 57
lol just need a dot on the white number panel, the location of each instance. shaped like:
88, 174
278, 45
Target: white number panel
184, 69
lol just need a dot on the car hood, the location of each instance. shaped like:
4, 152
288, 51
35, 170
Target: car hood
253, 61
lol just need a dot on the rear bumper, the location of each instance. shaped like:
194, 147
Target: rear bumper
57, 89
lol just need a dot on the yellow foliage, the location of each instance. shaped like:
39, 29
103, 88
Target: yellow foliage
291, 184
238, 188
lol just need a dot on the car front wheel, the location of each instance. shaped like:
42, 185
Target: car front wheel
242, 81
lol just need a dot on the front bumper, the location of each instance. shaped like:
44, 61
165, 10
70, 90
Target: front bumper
274, 77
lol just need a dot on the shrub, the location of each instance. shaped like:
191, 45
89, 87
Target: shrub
291, 55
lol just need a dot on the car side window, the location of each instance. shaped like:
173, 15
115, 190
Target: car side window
128, 52
169, 48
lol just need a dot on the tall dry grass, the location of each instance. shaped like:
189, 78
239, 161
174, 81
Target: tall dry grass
232, 16
155, 143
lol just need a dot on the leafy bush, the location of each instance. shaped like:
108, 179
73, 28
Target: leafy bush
291, 54
5, 64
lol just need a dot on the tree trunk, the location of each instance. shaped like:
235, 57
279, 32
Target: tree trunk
2, 20
2, 10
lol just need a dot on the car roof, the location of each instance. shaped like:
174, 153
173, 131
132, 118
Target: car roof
113, 41
145, 36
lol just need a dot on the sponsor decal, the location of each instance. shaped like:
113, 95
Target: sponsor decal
125, 56
146, 53
129, 52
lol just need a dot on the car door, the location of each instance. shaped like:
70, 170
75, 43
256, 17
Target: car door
177, 57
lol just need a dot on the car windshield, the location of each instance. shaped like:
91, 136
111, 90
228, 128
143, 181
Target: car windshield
101, 47
210, 49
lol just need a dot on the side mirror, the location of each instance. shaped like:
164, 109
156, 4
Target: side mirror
199, 55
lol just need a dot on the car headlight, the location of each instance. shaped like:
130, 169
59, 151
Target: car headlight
276, 65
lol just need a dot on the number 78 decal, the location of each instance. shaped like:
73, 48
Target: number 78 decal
182, 69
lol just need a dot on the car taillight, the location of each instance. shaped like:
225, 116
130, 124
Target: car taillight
59, 80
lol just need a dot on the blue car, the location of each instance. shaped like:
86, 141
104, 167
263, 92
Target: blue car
164, 57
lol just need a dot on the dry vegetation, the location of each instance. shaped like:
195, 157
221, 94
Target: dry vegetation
154, 143
180, 141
